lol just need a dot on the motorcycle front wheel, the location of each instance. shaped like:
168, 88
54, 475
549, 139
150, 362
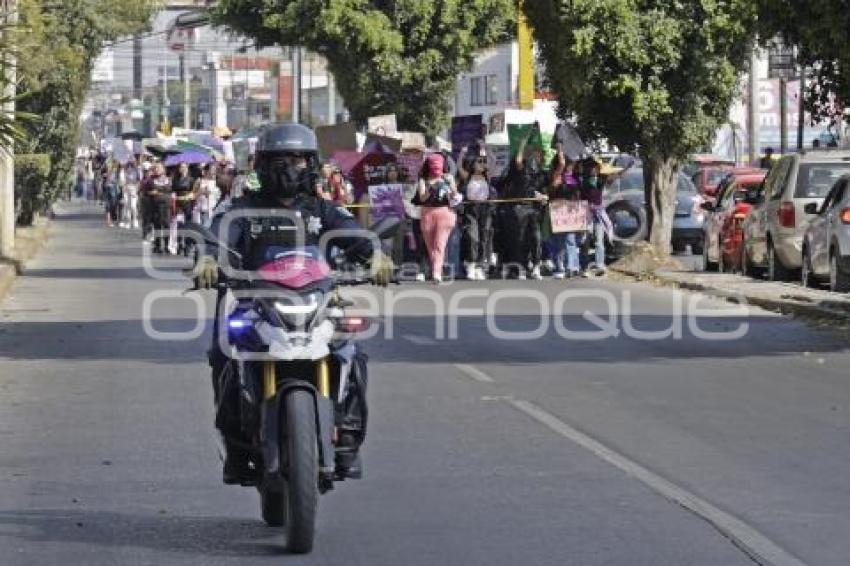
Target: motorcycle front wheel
302, 493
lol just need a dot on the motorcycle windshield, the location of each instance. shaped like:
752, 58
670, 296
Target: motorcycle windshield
294, 268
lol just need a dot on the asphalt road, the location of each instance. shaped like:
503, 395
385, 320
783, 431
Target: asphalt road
508, 441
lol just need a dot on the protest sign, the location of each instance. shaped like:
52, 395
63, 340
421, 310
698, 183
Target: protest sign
571, 142
409, 165
374, 142
382, 125
499, 159
466, 130
387, 201
518, 132
339, 137
568, 216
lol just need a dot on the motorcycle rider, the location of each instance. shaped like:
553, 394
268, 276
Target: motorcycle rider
288, 171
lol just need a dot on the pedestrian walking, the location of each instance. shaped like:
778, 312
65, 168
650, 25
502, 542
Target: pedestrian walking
182, 195
207, 194
130, 180
160, 193
112, 191
437, 194
477, 215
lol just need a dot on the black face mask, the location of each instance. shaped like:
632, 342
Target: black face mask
282, 180
532, 166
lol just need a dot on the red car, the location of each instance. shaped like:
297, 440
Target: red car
736, 195
707, 171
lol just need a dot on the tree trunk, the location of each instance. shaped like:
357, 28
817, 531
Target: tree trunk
660, 176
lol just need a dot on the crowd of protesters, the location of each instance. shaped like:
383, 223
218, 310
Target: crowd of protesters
142, 193
499, 226
459, 220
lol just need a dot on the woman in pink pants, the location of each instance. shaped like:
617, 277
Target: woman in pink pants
437, 193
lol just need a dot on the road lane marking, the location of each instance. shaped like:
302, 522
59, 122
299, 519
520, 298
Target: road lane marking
753, 543
474, 373
420, 340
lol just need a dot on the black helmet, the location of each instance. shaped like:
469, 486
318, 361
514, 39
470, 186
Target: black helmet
277, 145
287, 137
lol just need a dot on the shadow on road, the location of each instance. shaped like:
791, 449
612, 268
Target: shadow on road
415, 340
211, 536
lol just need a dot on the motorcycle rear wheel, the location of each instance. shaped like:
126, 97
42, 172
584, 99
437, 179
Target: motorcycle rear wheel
302, 490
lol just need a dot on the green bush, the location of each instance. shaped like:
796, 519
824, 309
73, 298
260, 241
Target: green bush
31, 187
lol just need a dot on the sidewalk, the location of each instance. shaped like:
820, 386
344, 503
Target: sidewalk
28, 241
818, 306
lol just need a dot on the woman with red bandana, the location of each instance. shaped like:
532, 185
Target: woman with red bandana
437, 194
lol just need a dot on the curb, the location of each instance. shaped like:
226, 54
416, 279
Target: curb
28, 242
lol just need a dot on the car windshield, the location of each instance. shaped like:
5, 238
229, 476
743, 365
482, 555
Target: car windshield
632, 180
815, 179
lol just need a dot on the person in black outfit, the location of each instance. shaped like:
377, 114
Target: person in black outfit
526, 178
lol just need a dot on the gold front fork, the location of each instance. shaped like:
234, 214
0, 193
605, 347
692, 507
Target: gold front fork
323, 378
269, 380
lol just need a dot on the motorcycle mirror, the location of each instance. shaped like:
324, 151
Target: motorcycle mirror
206, 235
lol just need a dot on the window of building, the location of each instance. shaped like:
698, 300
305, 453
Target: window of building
483, 90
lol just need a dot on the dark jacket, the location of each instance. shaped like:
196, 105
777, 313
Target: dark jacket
258, 222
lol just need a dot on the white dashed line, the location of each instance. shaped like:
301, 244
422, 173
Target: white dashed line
420, 340
473, 372
756, 545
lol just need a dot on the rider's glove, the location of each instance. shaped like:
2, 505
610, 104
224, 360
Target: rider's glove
205, 272
382, 269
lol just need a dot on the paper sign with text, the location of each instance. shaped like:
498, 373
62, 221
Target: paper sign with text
568, 216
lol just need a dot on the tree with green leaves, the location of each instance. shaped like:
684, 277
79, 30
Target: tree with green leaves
652, 76
388, 56
55, 58
818, 28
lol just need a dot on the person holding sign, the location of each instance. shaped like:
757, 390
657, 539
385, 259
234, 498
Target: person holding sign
527, 180
477, 218
564, 201
437, 194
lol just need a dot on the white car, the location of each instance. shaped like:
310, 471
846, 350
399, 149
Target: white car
826, 245
773, 232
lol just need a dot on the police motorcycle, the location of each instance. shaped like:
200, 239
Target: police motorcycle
300, 374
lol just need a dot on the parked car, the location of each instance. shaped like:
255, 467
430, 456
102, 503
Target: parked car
774, 230
626, 194
826, 245
723, 237
706, 171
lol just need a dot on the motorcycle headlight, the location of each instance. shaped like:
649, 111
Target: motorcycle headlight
298, 311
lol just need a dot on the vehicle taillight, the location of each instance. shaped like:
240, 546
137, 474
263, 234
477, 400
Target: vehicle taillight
845, 215
787, 215
353, 324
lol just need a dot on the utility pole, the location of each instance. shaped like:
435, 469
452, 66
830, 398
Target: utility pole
137, 66
296, 84
801, 107
7, 155
783, 115
331, 96
753, 110
187, 95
